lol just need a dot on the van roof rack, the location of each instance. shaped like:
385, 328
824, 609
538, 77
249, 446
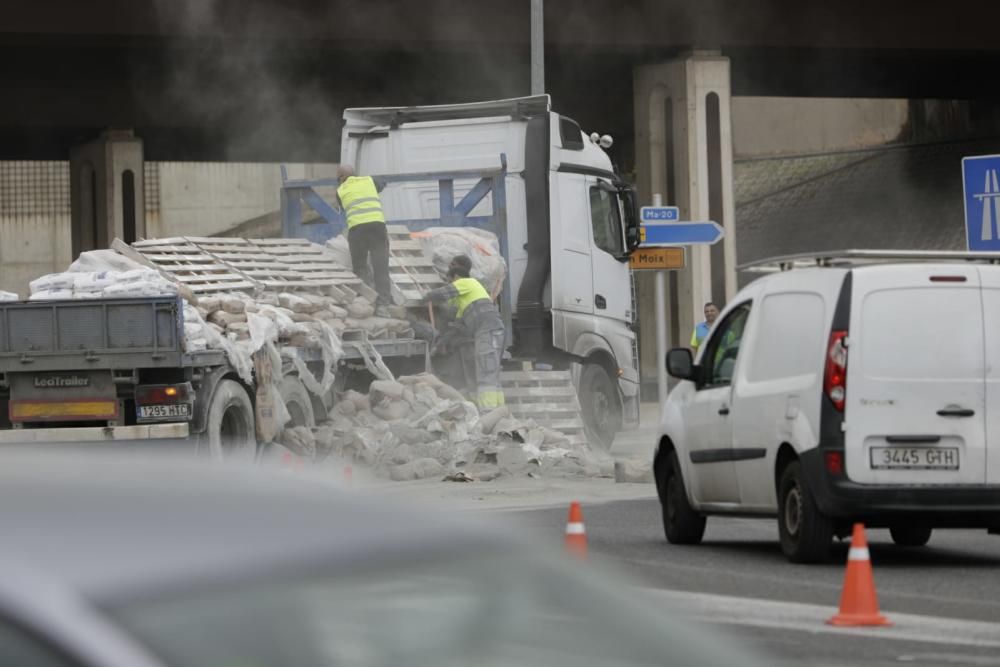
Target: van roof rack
849, 258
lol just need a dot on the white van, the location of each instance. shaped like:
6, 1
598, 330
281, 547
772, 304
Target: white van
865, 388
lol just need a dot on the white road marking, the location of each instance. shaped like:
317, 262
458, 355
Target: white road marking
761, 613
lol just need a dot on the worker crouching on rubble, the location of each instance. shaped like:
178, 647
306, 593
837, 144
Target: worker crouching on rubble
480, 333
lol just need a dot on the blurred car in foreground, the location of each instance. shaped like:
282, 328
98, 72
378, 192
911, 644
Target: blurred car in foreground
136, 563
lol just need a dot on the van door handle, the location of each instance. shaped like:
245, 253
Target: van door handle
956, 412
600, 301
724, 410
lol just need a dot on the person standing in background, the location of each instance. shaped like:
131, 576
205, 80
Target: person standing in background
701, 330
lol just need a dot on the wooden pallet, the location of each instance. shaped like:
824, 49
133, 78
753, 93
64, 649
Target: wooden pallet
222, 264
411, 270
183, 262
548, 397
284, 265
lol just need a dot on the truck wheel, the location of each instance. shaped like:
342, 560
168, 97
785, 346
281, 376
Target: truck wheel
805, 533
297, 402
230, 435
681, 523
910, 536
600, 405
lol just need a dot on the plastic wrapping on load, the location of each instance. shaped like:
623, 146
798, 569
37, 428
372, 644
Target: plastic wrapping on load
110, 283
8, 296
270, 411
341, 250
102, 260
332, 351
282, 317
51, 295
200, 335
53, 282
140, 288
481, 246
94, 281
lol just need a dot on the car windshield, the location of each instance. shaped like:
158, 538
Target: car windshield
487, 611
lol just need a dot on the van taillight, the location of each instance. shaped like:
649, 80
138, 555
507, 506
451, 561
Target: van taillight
835, 379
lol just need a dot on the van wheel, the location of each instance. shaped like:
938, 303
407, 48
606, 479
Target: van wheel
600, 405
910, 536
681, 523
230, 435
297, 402
805, 533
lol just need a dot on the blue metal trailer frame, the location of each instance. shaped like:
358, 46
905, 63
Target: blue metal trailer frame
297, 193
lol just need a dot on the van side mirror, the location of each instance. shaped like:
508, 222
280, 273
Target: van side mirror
680, 364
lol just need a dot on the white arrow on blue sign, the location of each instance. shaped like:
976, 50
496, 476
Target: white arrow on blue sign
659, 214
982, 201
681, 233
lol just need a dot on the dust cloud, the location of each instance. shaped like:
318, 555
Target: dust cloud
263, 81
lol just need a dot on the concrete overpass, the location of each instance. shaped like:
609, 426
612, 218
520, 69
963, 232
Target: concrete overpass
265, 80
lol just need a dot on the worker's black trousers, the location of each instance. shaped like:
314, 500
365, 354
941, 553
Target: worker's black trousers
370, 241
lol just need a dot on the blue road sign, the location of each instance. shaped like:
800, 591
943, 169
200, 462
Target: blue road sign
659, 214
981, 184
680, 233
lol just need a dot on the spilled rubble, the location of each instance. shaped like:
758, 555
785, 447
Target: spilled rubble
419, 427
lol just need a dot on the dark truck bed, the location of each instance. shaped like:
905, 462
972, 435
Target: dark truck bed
116, 334
69, 370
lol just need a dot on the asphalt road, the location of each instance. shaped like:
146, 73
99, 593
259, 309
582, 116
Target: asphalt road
953, 584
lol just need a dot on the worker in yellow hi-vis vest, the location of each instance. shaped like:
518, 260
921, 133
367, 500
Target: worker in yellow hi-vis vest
366, 231
478, 334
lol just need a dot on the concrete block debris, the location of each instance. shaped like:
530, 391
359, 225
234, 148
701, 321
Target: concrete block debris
399, 427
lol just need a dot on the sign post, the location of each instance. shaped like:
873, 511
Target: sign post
661, 315
663, 238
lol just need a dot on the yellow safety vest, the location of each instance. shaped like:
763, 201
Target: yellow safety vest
469, 291
360, 200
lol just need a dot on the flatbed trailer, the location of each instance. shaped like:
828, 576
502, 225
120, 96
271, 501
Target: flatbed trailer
105, 370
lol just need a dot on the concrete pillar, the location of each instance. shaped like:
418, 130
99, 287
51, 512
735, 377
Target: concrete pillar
684, 150
107, 191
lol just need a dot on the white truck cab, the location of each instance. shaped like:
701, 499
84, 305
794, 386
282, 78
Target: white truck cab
861, 389
570, 224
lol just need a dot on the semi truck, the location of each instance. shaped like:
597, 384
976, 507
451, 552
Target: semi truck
567, 223
116, 369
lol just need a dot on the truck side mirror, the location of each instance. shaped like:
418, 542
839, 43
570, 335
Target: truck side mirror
630, 211
680, 364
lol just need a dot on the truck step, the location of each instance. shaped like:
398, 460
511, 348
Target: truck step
547, 397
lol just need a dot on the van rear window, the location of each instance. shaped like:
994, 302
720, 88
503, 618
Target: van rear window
920, 334
790, 337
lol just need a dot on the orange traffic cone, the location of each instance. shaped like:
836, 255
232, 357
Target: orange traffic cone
576, 534
348, 475
859, 602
